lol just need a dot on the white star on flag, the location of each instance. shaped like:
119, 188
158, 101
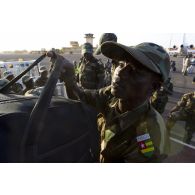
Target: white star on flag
142, 146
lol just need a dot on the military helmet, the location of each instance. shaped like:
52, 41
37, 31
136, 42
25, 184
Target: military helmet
150, 55
105, 37
87, 48
26, 79
3, 82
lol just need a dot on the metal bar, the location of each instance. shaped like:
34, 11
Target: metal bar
3, 89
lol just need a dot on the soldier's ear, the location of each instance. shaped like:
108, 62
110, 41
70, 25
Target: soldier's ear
156, 82
156, 86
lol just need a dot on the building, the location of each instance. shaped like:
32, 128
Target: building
74, 44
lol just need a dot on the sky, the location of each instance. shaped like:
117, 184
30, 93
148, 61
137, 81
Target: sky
36, 24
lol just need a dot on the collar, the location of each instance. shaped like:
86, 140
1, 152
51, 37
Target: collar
129, 118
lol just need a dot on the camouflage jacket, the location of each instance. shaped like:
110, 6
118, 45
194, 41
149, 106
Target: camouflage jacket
134, 136
187, 103
91, 74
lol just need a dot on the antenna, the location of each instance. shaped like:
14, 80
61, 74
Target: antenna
184, 39
170, 41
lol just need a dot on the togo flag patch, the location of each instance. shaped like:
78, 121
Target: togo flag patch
145, 144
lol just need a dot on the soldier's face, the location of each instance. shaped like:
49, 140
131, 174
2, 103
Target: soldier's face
131, 80
88, 56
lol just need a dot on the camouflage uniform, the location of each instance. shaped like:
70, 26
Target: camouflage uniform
122, 134
184, 111
110, 66
91, 73
159, 100
130, 135
107, 37
16, 87
28, 82
42, 80
107, 68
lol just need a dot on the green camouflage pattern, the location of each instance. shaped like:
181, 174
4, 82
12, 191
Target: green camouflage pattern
187, 103
150, 55
119, 131
91, 74
158, 55
184, 111
105, 37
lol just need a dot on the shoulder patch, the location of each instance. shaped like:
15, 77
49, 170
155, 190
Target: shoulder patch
145, 145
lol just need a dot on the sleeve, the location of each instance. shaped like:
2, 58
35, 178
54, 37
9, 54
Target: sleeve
183, 101
100, 75
96, 98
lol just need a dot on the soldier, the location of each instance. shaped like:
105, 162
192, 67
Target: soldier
41, 81
3, 82
159, 100
108, 68
184, 111
16, 87
91, 71
132, 131
8, 75
28, 82
173, 66
107, 37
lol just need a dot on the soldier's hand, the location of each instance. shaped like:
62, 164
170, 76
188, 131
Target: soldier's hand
66, 68
56, 58
169, 115
67, 71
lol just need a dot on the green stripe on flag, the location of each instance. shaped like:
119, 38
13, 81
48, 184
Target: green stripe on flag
149, 143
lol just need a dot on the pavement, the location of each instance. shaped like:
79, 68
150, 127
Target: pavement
179, 150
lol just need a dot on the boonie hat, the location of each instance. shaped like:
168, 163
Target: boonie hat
87, 48
150, 55
105, 37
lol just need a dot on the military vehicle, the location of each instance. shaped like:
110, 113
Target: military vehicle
46, 128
